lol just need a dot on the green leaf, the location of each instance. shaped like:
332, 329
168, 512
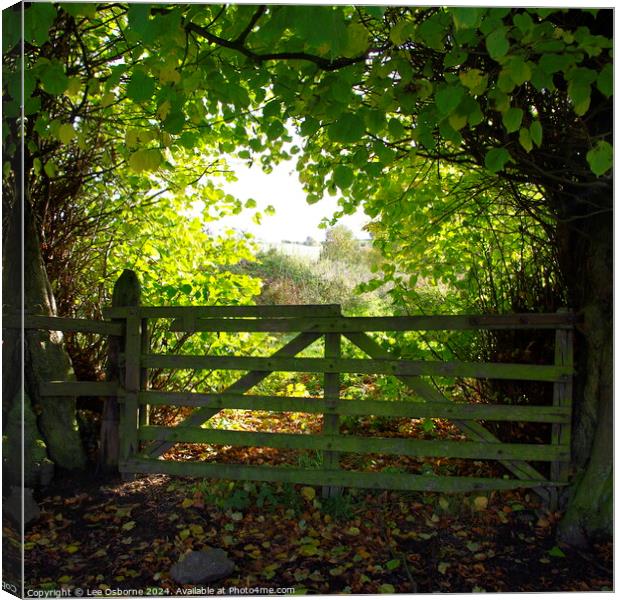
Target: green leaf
474, 80
146, 159
53, 78
536, 132
495, 159
466, 17
432, 32
174, 121
523, 22
343, 176
497, 43
140, 87
401, 31
309, 127
455, 57
349, 128
512, 119
50, 169
605, 81
552, 63
275, 130
600, 158
525, 139
80, 9
11, 27
457, 121
357, 40
556, 552
396, 129
518, 70
387, 588
393, 564
66, 133
579, 88
374, 11
505, 82
447, 98
580, 95
38, 19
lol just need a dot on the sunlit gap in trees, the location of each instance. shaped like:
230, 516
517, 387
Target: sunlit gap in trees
279, 195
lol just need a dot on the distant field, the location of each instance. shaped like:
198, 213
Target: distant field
310, 252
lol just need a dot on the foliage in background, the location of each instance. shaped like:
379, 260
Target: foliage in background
332, 279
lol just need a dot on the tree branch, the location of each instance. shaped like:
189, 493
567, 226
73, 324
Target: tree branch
321, 62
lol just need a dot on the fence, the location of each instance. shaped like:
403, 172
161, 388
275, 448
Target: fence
142, 444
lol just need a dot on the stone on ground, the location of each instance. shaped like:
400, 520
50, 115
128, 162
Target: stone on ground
202, 567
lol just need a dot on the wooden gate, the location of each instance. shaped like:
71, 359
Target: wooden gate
142, 444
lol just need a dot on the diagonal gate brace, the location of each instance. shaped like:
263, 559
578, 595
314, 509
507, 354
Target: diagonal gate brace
243, 384
473, 430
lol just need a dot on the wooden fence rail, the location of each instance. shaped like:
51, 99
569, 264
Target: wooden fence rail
142, 444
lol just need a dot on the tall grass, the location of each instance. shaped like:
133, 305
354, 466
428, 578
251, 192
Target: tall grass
303, 280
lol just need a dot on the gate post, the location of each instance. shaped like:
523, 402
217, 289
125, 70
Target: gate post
331, 422
129, 415
126, 293
562, 396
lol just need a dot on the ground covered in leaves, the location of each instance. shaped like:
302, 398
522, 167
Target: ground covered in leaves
116, 535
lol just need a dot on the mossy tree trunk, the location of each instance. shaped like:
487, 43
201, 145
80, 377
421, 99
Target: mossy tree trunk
45, 359
586, 256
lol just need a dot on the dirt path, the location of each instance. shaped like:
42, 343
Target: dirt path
126, 536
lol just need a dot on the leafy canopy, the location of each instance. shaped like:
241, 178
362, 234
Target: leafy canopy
375, 95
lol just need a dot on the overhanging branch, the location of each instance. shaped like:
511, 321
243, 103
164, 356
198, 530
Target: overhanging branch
323, 63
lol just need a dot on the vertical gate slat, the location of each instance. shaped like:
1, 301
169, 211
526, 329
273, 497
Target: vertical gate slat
331, 422
562, 396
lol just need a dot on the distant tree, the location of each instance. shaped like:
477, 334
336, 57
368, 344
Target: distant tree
310, 241
340, 245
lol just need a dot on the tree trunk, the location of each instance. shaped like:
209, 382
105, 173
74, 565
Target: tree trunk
586, 246
44, 356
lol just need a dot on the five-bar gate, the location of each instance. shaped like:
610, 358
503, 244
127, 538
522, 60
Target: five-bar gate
143, 444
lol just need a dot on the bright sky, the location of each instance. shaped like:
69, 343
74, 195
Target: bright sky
294, 219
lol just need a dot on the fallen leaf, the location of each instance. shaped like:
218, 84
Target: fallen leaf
387, 588
473, 546
308, 493
542, 522
481, 503
442, 567
309, 550
128, 526
556, 552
